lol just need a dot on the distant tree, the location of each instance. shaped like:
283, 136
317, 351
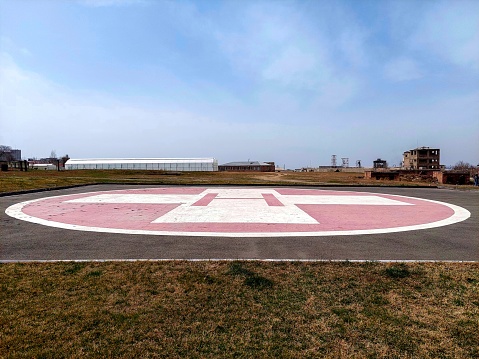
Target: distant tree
6, 153
64, 159
462, 166
53, 154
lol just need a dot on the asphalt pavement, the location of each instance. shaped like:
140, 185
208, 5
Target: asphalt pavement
25, 241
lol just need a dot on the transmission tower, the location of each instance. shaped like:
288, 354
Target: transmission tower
345, 162
333, 161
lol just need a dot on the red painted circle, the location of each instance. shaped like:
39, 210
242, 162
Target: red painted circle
238, 211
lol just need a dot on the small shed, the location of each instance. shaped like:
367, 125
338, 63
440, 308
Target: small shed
379, 163
452, 177
379, 175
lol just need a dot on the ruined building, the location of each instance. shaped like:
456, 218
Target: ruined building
421, 158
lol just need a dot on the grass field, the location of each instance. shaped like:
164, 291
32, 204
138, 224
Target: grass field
239, 310
19, 181
220, 309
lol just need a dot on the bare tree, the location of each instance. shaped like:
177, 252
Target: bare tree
53, 154
64, 159
6, 153
462, 166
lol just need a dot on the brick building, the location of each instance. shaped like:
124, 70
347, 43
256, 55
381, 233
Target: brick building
422, 158
248, 166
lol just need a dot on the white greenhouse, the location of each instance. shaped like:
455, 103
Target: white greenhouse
161, 164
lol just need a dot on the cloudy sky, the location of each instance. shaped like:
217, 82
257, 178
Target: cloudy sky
287, 81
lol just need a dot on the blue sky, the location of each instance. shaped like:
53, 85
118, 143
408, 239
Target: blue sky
287, 81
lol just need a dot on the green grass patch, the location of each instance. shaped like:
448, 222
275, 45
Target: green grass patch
398, 271
239, 309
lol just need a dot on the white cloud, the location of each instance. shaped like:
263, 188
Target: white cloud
25, 51
38, 115
451, 30
6, 44
402, 69
257, 35
446, 30
336, 93
300, 67
284, 46
352, 44
294, 68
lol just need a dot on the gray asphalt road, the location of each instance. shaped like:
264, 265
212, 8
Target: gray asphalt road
21, 241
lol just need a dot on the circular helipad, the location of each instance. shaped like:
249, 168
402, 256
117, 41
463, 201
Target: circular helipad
238, 212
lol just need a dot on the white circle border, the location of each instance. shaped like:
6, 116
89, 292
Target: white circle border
460, 214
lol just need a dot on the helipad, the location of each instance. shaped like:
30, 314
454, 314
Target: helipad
238, 212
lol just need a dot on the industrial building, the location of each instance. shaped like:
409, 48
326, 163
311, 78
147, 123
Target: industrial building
161, 164
422, 158
8, 154
248, 166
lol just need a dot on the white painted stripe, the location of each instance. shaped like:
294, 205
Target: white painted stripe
139, 198
246, 193
239, 196
235, 260
341, 200
237, 211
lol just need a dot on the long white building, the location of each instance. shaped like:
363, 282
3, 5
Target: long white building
162, 164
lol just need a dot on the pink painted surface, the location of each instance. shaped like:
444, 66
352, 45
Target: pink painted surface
134, 216
206, 200
271, 200
128, 216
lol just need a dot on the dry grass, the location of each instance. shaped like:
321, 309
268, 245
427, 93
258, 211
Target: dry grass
239, 309
18, 181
